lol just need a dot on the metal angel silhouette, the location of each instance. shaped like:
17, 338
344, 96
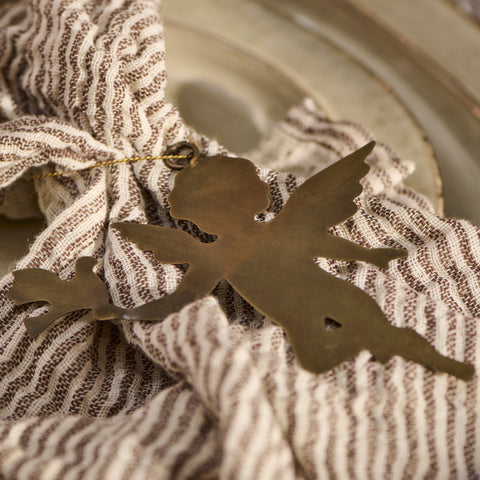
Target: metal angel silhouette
272, 264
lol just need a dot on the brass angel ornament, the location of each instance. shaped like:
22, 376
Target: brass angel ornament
272, 264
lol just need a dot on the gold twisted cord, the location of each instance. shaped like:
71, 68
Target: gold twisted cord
113, 162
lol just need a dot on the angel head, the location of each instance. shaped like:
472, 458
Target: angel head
219, 194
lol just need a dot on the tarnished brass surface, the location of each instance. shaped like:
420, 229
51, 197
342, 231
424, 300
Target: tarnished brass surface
84, 291
272, 265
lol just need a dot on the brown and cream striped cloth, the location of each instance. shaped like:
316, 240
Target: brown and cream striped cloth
213, 391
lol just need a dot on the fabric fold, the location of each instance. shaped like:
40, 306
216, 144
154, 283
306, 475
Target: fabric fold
213, 391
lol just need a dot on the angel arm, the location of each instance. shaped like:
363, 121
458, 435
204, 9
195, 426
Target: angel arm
169, 245
174, 246
339, 248
198, 282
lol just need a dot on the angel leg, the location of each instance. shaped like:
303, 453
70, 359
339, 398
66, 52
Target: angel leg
384, 341
318, 349
362, 328
410, 345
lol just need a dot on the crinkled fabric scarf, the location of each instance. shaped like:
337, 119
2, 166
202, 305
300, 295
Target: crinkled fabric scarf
213, 391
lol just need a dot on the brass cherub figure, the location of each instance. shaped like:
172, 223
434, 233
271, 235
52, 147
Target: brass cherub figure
272, 264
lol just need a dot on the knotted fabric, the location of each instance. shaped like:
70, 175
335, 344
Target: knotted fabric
214, 390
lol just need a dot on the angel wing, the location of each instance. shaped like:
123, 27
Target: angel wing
167, 244
327, 197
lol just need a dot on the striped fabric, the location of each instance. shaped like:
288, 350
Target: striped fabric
213, 391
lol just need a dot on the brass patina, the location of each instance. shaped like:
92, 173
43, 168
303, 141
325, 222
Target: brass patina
272, 264
84, 291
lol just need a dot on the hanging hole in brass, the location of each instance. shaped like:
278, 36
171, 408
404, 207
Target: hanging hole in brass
190, 154
331, 324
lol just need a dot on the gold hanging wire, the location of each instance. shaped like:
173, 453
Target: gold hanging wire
172, 153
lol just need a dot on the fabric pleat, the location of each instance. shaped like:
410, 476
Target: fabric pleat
214, 390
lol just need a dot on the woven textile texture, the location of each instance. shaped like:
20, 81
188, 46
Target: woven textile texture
213, 391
